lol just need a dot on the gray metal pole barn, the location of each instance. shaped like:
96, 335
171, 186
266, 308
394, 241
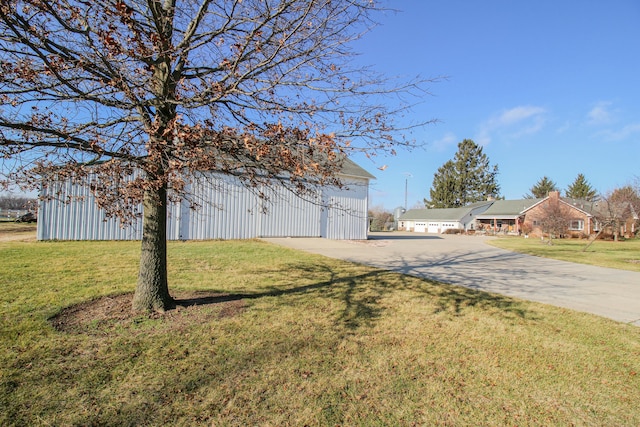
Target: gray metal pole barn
225, 210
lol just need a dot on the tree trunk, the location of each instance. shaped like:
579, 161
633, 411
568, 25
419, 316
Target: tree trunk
152, 290
594, 239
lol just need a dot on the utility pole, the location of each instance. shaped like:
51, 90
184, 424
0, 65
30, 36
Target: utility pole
406, 188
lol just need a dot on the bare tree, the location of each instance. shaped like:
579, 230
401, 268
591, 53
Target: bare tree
380, 219
613, 210
616, 207
630, 193
16, 202
262, 90
554, 220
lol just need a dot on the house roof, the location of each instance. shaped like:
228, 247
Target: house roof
508, 208
584, 206
351, 168
604, 209
505, 209
494, 209
445, 214
480, 204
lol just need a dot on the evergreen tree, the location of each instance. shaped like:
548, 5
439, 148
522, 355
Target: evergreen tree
466, 179
581, 189
444, 188
542, 188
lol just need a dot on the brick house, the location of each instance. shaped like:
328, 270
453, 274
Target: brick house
584, 217
504, 216
578, 213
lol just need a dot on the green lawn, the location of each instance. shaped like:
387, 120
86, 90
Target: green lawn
624, 254
17, 230
296, 339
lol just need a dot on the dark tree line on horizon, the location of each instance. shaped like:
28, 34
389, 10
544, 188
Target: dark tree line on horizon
580, 189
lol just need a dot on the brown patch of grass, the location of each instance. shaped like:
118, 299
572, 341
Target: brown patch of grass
15, 231
111, 314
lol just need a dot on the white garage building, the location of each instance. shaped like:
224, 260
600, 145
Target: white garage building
441, 220
226, 210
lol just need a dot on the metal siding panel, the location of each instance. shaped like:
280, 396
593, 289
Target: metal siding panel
289, 215
69, 212
224, 210
42, 226
227, 210
173, 220
347, 211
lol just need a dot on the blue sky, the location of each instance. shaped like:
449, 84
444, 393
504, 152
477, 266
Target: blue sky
548, 88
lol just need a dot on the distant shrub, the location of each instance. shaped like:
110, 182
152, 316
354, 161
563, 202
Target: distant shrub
453, 231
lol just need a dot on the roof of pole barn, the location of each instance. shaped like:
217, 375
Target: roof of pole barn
219, 206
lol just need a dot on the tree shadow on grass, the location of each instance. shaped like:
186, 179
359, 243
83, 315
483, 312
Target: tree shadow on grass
361, 294
362, 302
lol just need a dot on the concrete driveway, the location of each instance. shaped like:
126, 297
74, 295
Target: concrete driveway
469, 261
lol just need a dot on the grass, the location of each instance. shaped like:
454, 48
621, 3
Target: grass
624, 254
298, 339
17, 230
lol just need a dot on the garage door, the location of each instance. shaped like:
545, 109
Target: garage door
433, 227
420, 227
447, 226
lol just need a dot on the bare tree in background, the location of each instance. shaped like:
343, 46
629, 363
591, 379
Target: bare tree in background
613, 210
16, 202
633, 195
554, 220
380, 219
259, 89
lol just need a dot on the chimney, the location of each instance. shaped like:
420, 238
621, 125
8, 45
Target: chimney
554, 195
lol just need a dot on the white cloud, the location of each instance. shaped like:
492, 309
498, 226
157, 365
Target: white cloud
610, 121
446, 141
623, 133
513, 123
517, 115
600, 114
